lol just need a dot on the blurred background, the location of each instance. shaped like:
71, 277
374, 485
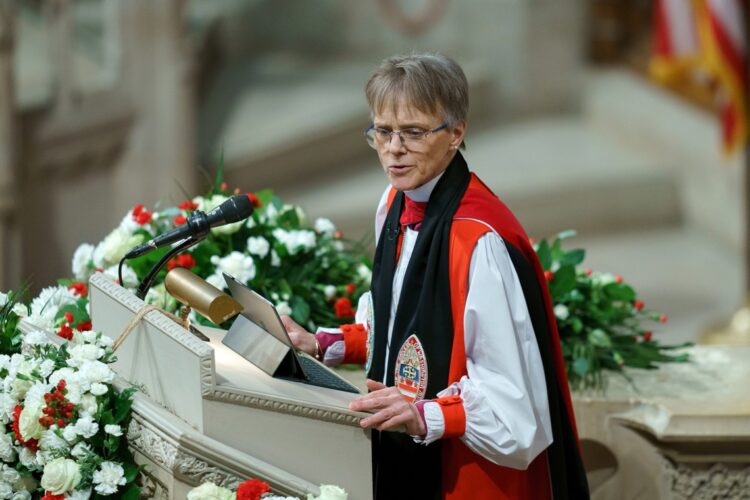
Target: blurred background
109, 103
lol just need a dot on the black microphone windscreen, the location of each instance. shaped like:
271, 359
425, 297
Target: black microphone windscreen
235, 209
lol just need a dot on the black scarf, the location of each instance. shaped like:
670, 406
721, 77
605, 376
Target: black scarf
424, 309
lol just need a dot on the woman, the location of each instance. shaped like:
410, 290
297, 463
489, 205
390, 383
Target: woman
457, 332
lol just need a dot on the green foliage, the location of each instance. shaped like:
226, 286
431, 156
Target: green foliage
599, 318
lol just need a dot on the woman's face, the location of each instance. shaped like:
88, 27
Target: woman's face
412, 165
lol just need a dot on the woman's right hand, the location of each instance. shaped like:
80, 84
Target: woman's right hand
302, 339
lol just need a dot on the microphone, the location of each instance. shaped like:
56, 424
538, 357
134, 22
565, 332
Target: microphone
235, 209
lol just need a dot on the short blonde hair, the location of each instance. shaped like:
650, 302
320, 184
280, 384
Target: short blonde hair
431, 82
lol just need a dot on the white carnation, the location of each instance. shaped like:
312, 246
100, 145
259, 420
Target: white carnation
83, 265
70, 435
91, 372
275, 259
329, 492
98, 389
109, 476
235, 264
86, 426
3, 299
159, 297
79, 495
325, 226
80, 450
295, 240
84, 352
7, 452
46, 367
51, 441
364, 273
88, 403
561, 312
20, 309
114, 247
6, 490
217, 280
128, 224
45, 306
329, 291
61, 374
27, 457
129, 278
37, 337
258, 246
113, 429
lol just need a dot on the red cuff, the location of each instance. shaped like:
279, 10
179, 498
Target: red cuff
355, 343
454, 416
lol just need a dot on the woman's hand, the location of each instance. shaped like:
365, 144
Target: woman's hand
390, 408
302, 339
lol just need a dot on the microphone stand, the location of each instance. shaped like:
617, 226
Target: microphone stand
149, 279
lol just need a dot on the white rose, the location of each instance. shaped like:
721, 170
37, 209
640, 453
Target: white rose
19, 387
325, 226
82, 262
283, 308
61, 476
329, 492
561, 312
109, 476
113, 429
28, 422
329, 291
258, 246
235, 264
7, 452
209, 491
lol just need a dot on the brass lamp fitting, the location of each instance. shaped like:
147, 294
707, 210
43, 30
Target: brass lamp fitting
200, 295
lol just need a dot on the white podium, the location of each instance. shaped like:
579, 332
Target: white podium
205, 413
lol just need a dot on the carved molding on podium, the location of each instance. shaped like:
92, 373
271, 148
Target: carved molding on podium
718, 481
288, 407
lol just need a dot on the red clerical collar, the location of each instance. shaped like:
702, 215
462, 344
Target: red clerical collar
413, 213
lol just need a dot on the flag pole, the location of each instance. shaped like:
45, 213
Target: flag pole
736, 331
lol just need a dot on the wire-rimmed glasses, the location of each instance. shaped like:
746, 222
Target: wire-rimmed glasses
410, 137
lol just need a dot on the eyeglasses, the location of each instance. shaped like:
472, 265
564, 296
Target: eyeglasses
410, 137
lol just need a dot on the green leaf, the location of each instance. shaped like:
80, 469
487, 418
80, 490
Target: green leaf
599, 337
564, 281
123, 404
545, 255
132, 493
619, 291
300, 309
581, 366
573, 257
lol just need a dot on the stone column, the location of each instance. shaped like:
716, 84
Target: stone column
157, 74
10, 254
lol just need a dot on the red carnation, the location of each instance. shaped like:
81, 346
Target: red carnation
252, 489
343, 308
185, 260
138, 210
180, 220
84, 326
223, 187
663, 318
65, 332
338, 235
68, 317
638, 304
32, 444
647, 336
350, 288
587, 271
143, 218
188, 205
79, 288
254, 200
549, 275
49, 496
618, 279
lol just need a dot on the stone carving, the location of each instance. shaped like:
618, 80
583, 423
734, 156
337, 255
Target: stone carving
715, 482
152, 444
152, 487
195, 471
326, 415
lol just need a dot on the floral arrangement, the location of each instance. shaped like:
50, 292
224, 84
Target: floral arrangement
64, 421
255, 489
600, 319
309, 272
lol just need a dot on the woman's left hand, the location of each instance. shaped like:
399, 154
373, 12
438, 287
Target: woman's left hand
390, 410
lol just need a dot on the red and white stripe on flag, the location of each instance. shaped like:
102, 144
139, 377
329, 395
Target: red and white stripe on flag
706, 36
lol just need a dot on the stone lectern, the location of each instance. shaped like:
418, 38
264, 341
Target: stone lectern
205, 413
